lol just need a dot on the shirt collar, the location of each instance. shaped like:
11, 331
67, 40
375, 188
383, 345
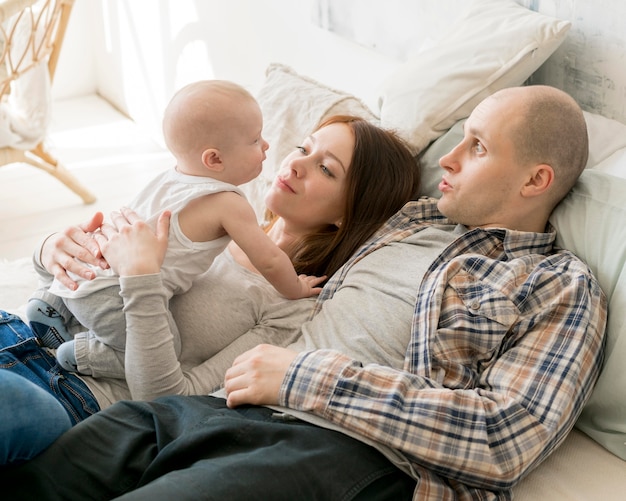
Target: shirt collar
515, 243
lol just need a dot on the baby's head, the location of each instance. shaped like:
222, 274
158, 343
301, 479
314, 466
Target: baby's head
213, 128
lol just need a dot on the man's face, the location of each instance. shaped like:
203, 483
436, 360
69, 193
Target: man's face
482, 179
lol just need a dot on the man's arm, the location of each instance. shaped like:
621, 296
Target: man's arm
521, 406
488, 433
368, 318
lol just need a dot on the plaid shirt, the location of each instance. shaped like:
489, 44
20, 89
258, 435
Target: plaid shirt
506, 345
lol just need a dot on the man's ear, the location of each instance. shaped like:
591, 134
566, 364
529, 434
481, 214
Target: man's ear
541, 178
212, 160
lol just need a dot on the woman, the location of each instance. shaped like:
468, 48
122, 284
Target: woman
330, 195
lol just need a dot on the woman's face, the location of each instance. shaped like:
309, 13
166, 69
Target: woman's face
308, 191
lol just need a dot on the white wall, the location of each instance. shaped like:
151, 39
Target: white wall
591, 63
76, 69
136, 53
141, 51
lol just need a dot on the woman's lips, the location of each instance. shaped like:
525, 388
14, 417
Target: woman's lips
284, 185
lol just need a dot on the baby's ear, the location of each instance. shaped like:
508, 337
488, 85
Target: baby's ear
212, 160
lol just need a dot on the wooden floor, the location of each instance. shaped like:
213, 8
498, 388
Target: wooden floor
102, 148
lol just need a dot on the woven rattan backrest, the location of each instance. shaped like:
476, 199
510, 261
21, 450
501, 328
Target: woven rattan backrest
30, 32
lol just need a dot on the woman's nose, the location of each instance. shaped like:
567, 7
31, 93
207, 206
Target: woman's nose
298, 167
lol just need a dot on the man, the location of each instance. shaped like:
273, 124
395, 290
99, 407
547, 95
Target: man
479, 386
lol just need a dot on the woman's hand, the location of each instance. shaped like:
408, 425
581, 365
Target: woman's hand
68, 250
130, 246
256, 375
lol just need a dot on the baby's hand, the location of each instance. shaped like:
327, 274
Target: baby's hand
308, 285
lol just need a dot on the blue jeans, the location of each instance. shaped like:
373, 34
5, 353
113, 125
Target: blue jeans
38, 399
193, 447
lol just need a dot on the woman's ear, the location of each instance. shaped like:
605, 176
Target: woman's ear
212, 160
541, 178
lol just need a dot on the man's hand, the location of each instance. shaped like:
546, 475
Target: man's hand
256, 375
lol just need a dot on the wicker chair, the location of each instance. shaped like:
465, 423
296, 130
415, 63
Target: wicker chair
31, 35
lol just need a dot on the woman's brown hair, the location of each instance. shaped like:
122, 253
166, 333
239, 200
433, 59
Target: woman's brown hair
382, 177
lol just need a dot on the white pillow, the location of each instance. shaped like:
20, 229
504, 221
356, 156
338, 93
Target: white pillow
26, 112
606, 138
590, 222
431, 172
292, 106
497, 44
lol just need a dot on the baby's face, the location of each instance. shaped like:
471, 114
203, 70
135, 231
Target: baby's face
243, 159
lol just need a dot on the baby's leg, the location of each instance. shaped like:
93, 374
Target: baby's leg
48, 318
99, 351
94, 358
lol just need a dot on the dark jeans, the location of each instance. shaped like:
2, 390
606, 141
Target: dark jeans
38, 399
21, 354
194, 448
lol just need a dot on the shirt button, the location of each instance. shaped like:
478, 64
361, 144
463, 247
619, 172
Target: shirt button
475, 305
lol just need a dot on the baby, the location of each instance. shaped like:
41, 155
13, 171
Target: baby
213, 129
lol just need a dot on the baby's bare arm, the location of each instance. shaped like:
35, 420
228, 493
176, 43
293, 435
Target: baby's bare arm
239, 221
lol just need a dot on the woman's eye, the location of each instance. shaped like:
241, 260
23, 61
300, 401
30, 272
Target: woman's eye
301, 149
326, 170
479, 147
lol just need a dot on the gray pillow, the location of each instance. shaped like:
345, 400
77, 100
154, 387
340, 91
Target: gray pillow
429, 159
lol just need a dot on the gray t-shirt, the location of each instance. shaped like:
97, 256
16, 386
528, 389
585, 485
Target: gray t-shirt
369, 317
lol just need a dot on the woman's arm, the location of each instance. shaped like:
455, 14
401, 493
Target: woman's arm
152, 366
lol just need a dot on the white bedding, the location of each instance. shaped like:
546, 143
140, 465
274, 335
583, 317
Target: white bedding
579, 470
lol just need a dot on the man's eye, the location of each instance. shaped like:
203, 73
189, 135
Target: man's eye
479, 147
